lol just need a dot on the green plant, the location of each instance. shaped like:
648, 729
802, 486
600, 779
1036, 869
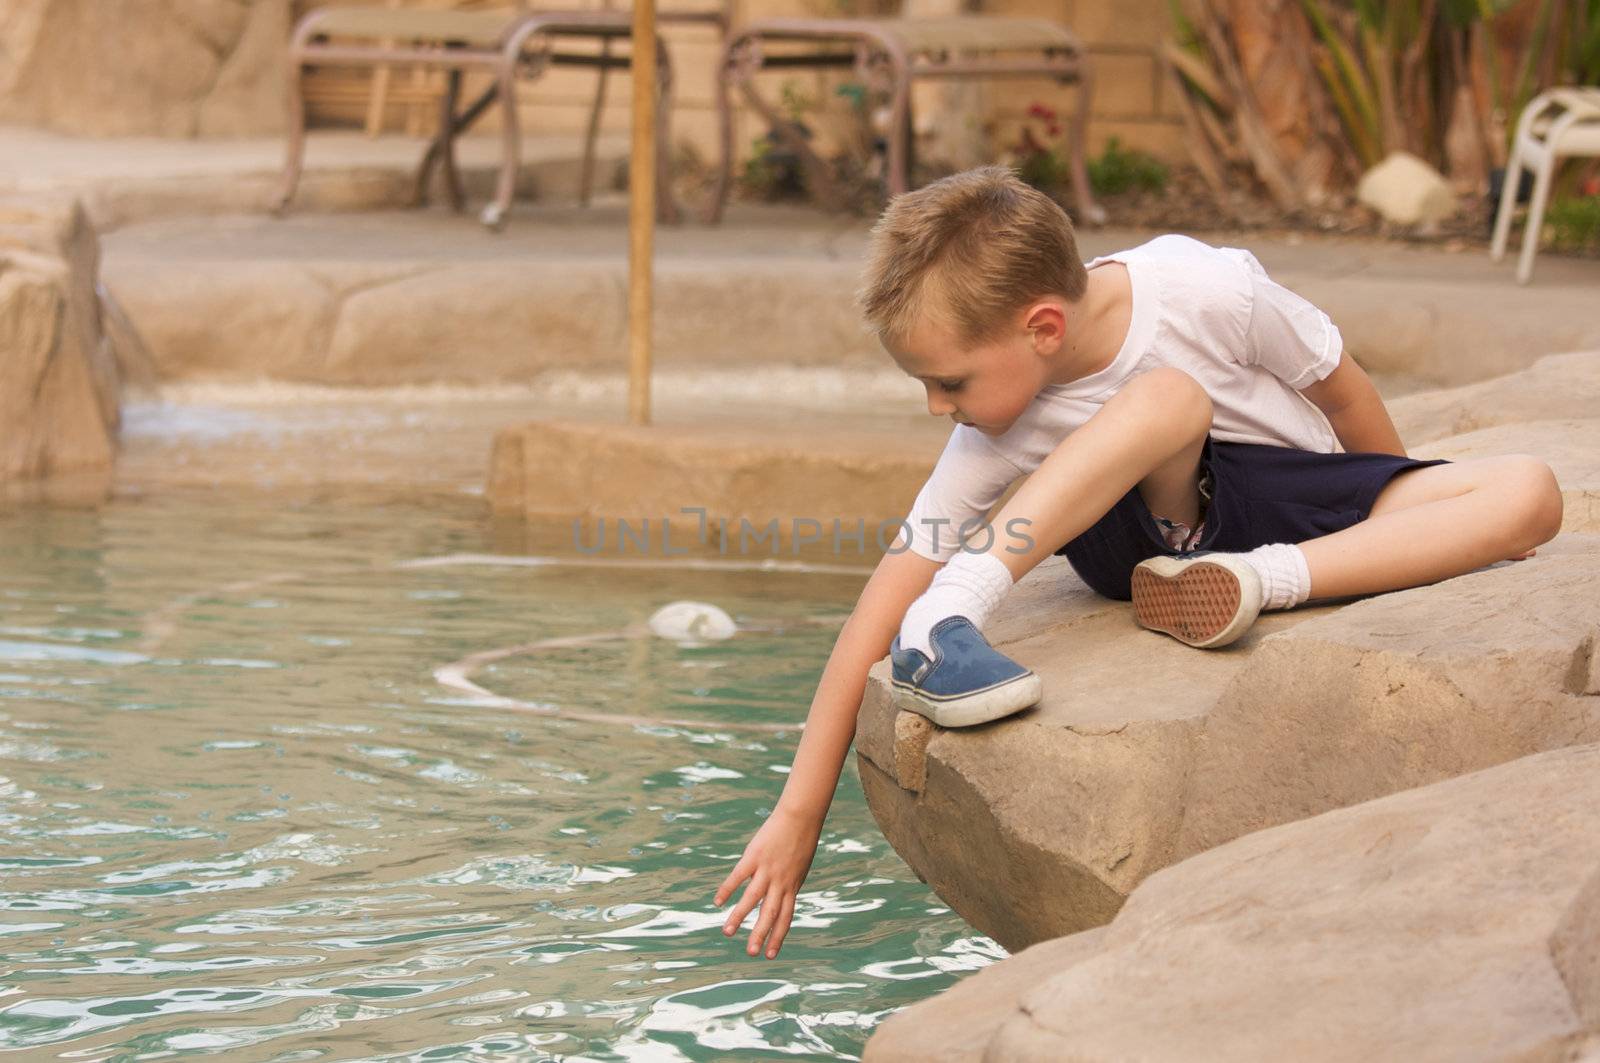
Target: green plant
1036, 161
1575, 223
1350, 81
771, 172
1118, 169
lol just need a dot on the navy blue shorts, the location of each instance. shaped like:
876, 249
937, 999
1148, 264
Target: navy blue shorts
1259, 495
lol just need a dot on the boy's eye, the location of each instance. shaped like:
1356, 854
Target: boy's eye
952, 385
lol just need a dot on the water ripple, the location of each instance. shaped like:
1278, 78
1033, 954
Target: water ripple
268, 835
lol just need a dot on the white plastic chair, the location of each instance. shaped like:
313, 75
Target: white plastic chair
1561, 122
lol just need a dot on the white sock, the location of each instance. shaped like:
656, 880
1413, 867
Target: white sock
970, 585
1285, 579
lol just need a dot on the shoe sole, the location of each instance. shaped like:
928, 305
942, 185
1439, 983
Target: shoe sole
970, 709
1206, 602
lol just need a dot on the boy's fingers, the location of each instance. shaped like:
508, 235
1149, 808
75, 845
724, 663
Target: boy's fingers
752, 894
769, 913
781, 931
740, 872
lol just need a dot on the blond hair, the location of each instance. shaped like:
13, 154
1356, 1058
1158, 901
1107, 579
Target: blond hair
971, 249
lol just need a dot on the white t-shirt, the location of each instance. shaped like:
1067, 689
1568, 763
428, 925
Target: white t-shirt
1211, 312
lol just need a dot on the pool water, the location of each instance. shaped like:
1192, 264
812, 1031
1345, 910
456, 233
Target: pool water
243, 817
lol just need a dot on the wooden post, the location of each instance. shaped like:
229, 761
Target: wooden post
641, 209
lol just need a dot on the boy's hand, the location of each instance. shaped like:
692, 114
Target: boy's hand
776, 861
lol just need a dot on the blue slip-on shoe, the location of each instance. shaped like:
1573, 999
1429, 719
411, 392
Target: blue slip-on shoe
1206, 599
967, 682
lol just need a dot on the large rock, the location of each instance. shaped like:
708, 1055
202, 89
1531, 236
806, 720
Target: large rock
1144, 751
1407, 191
1456, 921
1041, 824
58, 378
173, 68
1556, 387
833, 489
1400, 691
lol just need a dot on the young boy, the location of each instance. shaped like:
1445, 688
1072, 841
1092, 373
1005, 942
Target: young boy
1195, 438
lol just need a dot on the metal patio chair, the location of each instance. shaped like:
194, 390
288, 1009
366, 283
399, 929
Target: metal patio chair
887, 54
508, 45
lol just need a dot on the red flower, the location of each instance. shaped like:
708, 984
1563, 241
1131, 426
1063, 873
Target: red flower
1039, 110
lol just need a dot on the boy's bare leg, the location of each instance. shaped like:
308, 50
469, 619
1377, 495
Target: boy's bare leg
1433, 523
1149, 434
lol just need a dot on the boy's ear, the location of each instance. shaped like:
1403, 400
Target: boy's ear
1047, 324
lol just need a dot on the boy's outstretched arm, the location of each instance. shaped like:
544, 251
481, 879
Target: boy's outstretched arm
779, 856
1350, 401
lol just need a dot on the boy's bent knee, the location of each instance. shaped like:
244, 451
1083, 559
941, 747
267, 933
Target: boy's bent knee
1533, 485
1178, 399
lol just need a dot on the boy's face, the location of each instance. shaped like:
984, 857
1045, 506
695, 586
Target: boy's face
986, 386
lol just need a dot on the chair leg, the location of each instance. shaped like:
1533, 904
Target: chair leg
297, 140
666, 203
719, 192
494, 215
1089, 212
592, 134
455, 188
1508, 202
1535, 220
441, 150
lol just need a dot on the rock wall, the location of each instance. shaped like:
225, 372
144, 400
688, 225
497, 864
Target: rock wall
1456, 921
171, 68
58, 373
1144, 751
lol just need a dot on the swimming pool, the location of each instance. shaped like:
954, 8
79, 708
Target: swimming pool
247, 813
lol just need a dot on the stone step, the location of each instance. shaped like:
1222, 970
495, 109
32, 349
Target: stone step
819, 484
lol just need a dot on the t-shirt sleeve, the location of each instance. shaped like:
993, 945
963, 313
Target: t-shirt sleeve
1287, 335
966, 482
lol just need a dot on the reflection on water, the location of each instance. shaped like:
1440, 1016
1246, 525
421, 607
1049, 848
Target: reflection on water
239, 815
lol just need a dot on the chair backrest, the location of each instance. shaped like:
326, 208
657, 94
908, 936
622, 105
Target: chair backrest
717, 13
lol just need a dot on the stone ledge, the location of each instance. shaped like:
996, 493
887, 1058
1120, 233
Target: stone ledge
778, 472
1145, 751
1454, 921
1555, 387
430, 298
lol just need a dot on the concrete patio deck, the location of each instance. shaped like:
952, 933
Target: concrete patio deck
128, 179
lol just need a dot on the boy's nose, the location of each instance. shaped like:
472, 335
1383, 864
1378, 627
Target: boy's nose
939, 407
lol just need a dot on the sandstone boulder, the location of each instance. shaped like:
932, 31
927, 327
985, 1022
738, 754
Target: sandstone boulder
1556, 387
58, 378
1456, 921
837, 492
1041, 824
1144, 751
1399, 691
1406, 191
172, 68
